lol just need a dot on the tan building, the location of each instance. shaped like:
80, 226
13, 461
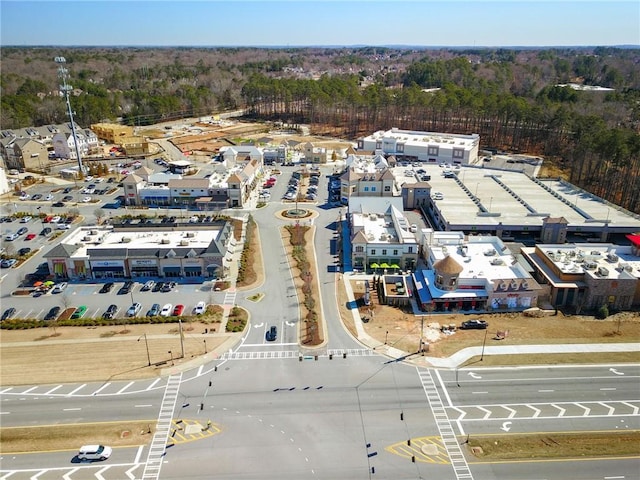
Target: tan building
112, 132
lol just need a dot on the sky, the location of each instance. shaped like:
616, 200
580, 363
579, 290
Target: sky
320, 23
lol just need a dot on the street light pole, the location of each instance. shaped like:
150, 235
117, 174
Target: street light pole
484, 341
144, 335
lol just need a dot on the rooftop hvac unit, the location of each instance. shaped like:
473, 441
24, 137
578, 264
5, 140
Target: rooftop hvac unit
184, 243
590, 265
502, 286
612, 257
603, 271
190, 234
164, 241
524, 285
514, 284
126, 239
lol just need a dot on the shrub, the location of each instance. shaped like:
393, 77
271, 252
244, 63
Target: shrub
603, 312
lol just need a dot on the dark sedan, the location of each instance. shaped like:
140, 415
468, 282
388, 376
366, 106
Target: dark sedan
52, 314
474, 325
106, 288
8, 313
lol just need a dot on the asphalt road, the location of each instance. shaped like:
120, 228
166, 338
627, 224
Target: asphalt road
351, 418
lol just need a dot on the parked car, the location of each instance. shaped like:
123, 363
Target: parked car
157, 287
134, 309
88, 453
86, 200
31, 236
22, 230
49, 197
272, 334
63, 226
107, 287
37, 196
168, 286
55, 219
80, 311
200, 308
126, 288
147, 286
110, 312
154, 311
59, 288
26, 219
177, 311
8, 313
8, 263
52, 314
45, 231
24, 251
474, 325
67, 198
58, 204
11, 237
166, 310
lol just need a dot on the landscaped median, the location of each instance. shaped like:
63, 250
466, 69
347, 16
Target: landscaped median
539, 446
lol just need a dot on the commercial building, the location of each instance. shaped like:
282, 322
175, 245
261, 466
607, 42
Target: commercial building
470, 274
193, 251
382, 241
430, 147
588, 275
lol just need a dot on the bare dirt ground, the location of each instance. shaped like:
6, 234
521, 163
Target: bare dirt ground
402, 329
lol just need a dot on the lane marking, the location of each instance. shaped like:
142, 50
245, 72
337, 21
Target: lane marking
546, 391
609, 389
76, 389
444, 389
71, 409
478, 393
125, 387
153, 384
53, 389
143, 406
101, 388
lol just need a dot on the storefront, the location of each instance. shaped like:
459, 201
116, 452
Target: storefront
60, 269
144, 268
193, 270
108, 269
171, 271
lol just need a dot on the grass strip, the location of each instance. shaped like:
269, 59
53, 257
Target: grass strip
555, 445
73, 436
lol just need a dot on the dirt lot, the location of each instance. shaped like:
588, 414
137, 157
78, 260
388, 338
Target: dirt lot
98, 353
404, 328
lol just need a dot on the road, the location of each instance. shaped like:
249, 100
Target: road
358, 416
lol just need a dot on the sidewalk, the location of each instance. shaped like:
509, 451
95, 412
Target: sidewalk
462, 356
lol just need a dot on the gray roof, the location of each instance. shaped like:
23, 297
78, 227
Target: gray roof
63, 250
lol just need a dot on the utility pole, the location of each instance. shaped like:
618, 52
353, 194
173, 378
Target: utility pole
63, 74
181, 338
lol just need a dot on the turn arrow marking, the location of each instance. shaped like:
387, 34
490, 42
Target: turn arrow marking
506, 426
259, 325
616, 372
474, 375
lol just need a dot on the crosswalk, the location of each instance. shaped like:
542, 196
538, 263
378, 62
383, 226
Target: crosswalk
86, 389
278, 354
447, 435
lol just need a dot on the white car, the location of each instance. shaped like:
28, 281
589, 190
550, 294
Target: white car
63, 226
25, 219
134, 309
86, 199
98, 180
59, 287
55, 219
200, 308
94, 452
48, 198
26, 196
166, 310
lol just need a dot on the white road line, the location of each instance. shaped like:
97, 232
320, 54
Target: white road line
477, 393
67, 476
488, 412
100, 472
71, 409
613, 478
125, 387
545, 391
462, 413
635, 409
28, 390
143, 406
53, 389
587, 410
537, 411
153, 384
101, 388
76, 389
5, 390
562, 410
513, 411
138, 454
444, 389
460, 429
611, 409
5, 413
129, 473
607, 389
200, 370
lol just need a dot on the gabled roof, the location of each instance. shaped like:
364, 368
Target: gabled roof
359, 237
62, 250
132, 178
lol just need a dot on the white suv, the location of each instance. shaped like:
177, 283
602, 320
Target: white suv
94, 452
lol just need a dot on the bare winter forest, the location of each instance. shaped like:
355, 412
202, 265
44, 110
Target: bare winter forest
517, 100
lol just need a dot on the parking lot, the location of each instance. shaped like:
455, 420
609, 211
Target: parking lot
89, 295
